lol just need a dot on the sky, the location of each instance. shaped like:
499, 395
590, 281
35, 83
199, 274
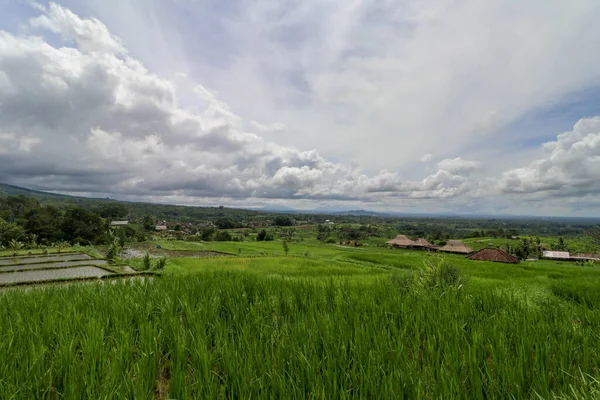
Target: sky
416, 106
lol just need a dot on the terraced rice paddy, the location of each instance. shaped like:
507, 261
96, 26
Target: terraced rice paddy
42, 259
54, 265
50, 275
40, 269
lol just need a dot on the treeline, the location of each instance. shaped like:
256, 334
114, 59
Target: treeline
24, 219
349, 232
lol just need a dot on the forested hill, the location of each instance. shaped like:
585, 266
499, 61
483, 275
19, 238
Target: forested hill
11, 190
115, 209
130, 210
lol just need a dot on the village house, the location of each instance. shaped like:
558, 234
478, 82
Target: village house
456, 246
118, 223
401, 241
495, 255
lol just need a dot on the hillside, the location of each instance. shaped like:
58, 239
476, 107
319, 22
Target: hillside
11, 190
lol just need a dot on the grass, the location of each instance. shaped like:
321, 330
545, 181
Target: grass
343, 322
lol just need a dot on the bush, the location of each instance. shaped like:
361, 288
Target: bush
160, 264
439, 275
146, 262
223, 236
283, 220
264, 236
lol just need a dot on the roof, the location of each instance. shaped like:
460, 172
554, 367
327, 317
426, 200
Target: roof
161, 227
585, 257
556, 254
456, 246
401, 240
420, 242
497, 255
118, 223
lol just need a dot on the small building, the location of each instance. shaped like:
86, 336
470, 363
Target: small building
119, 223
422, 243
401, 241
556, 255
496, 255
160, 228
328, 222
456, 246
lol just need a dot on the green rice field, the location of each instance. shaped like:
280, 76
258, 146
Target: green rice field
323, 322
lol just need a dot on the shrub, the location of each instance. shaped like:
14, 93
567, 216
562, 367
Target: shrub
264, 236
439, 275
223, 236
146, 262
286, 247
161, 263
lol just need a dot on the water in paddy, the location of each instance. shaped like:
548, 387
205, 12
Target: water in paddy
47, 275
63, 264
42, 259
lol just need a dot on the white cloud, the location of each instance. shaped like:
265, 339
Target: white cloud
571, 168
90, 117
426, 158
89, 34
457, 165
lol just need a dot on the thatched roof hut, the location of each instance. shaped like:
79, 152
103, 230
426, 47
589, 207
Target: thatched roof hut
401, 241
456, 246
496, 255
423, 243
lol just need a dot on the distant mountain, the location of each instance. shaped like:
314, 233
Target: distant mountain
11, 190
360, 213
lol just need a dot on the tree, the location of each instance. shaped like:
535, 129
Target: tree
113, 211
288, 234
264, 236
15, 246
45, 222
207, 233
9, 232
323, 232
561, 245
225, 223
223, 236
283, 220
82, 225
286, 247
148, 223
13, 208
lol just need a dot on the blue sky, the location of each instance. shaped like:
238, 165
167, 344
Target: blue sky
418, 106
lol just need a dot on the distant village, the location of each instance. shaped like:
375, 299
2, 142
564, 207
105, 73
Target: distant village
487, 254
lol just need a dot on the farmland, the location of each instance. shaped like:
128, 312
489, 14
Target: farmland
241, 304
325, 321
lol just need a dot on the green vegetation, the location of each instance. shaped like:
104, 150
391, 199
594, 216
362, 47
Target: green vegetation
288, 310
289, 327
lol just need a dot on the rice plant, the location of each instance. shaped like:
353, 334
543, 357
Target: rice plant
146, 262
160, 264
237, 334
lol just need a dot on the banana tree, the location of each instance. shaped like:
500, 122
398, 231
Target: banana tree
15, 246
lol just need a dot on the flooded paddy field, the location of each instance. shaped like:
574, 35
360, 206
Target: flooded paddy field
39, 269
42, 259
50, 275
47, 265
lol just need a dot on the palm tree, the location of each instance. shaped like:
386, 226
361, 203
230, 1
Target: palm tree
15, 245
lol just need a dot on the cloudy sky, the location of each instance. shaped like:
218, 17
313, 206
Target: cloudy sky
401, 105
